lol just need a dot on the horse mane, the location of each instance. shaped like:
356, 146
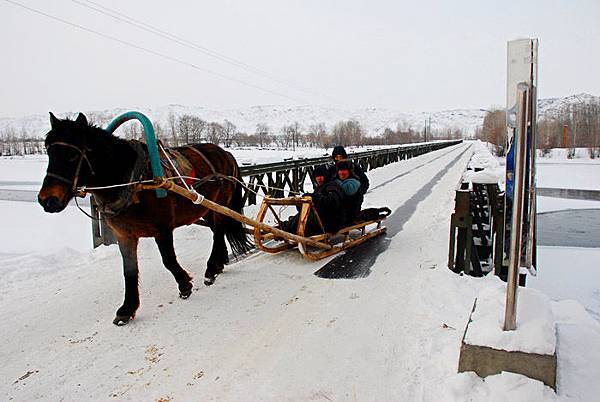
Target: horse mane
113, 158
74, 130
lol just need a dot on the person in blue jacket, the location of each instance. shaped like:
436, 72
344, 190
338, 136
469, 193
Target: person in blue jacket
351, 187
339, 154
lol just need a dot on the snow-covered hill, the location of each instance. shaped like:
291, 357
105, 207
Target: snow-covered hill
374, 120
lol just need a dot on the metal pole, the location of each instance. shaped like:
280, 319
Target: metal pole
574, 128
510, 315
429, 127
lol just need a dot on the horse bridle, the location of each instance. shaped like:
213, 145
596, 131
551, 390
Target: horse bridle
82, 157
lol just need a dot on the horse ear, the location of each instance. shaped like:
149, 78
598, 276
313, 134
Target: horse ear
53, 120
81, 120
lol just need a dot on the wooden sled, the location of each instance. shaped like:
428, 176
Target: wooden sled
313, 247
272, 239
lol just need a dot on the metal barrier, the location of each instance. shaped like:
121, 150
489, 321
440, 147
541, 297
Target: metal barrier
278, 179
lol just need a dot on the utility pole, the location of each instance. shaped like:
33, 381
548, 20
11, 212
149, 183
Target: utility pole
429, 125
574, 128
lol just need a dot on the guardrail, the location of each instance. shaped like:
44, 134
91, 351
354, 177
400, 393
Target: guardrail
279, 179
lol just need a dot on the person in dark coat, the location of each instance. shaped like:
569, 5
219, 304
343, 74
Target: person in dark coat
339, 154
327, 198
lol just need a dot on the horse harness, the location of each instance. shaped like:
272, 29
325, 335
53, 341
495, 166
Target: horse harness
127, 194
82, 157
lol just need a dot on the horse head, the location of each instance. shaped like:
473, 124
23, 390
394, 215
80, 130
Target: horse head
69, 164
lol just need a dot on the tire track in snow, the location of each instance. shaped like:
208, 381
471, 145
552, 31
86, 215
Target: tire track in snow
411, 170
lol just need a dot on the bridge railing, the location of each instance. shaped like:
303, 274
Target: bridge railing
280, 179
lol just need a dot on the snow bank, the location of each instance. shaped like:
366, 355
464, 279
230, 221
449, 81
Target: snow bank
578, 356
502, 387
489, 169
561, 154
535, 331
23, 168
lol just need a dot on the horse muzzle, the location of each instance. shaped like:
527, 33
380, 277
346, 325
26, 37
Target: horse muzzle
51, 204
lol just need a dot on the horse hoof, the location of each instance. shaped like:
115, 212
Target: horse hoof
121, 320
186, 294
209, 281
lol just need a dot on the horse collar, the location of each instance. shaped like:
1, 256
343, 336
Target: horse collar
125, 196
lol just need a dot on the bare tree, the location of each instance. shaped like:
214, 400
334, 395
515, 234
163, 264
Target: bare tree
295, 131
494, 130
581, 124
262, 133
160, 133
317, 135
348, 133
191, 128
133, 130
240, 139
214, 133
172, 127
229, 131
287, 136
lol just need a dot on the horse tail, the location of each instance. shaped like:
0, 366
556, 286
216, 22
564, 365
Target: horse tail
234, 230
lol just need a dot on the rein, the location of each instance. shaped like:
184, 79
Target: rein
137, 185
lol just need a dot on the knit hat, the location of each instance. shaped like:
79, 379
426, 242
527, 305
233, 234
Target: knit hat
339, 150
320, 171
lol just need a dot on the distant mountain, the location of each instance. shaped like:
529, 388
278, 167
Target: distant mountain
553, 106
374, 120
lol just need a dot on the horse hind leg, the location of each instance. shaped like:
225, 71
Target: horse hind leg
218, 256
169, 259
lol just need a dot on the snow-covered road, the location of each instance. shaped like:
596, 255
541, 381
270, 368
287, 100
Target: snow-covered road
267, 329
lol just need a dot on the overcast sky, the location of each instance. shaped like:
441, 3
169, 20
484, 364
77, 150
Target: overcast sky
412, 56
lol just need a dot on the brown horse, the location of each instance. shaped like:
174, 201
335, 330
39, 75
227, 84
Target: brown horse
80, 154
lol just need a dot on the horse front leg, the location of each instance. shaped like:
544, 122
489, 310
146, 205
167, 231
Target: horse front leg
169, 259
125, 313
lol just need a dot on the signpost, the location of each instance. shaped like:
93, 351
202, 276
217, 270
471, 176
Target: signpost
520, 208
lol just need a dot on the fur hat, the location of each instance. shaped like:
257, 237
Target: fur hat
339, 150
320, 171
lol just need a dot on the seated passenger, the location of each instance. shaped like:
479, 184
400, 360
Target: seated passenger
339, 154
327, 199
350, 186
